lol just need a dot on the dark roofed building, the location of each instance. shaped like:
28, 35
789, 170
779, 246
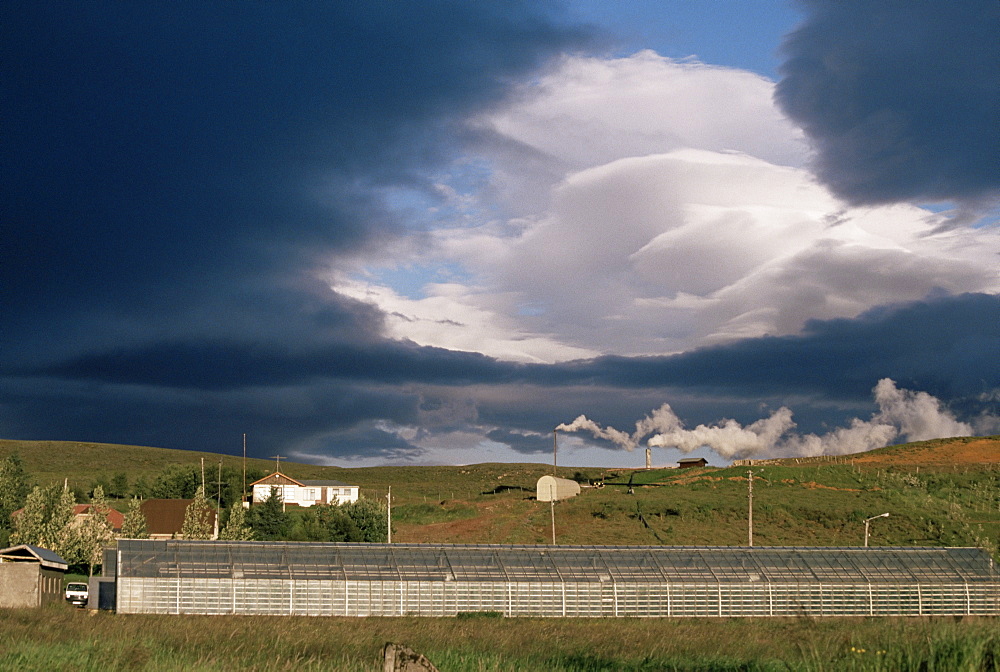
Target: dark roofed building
692, 462
30, 576
165, 517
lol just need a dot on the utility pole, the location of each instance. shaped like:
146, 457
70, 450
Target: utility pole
243, 493
750, 498
277, 462
218, 486
552, 509
388, 514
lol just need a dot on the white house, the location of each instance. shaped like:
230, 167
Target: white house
303, 493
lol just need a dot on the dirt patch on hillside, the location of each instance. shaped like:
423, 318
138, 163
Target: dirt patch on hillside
494, 522
813, 485
450, 532
958, 451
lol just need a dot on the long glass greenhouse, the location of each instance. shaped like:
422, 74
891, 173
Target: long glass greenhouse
341, 579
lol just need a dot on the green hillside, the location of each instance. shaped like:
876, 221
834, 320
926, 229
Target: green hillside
939, 493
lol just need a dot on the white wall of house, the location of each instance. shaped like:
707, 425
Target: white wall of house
308, 495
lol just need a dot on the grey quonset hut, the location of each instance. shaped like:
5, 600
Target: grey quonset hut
212, 577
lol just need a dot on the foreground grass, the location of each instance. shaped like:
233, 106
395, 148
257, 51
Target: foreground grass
68, 639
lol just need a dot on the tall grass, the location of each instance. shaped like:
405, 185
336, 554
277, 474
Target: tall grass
59, 638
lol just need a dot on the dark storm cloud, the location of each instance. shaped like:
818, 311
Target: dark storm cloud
162, 155
274, 418
331, 403
222, 365
175, 174
945, 346
901, 99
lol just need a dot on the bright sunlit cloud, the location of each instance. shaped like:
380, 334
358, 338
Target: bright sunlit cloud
655, 206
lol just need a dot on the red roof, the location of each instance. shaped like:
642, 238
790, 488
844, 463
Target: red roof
114, 517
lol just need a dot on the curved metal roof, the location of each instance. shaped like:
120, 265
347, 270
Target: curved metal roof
585, 564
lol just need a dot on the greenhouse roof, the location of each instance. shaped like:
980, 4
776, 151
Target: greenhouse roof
585, 564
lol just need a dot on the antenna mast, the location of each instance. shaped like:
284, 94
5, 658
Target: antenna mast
277, 462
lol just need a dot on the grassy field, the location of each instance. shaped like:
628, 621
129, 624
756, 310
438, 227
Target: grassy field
943, 493
938, 493
62, 638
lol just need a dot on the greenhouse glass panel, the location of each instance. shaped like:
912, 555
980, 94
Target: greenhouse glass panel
317, 579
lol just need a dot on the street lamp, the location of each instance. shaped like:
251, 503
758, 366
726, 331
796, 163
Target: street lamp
868, 520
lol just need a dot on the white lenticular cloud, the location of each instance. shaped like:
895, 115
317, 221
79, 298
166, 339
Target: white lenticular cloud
644, 206
913, 416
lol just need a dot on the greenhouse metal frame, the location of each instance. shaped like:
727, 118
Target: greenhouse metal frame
346, 579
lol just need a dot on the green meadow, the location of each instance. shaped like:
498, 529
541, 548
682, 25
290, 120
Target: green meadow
63, 638
940, 493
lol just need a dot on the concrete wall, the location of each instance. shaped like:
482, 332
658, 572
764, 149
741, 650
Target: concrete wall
26, 584
19, 584
102, 593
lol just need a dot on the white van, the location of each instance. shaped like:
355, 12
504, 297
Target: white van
77, 594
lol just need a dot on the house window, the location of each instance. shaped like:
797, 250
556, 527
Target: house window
309, 495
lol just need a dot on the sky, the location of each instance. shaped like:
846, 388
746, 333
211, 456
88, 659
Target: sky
432, 233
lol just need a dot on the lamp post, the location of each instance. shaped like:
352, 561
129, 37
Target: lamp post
868, 520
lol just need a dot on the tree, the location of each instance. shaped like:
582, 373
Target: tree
29, 526
47, 521
371, 517
134, 526
268, 518
198, 518
61, 526
14, 491
119, 486
176, 482
95, 532
340, 526
141, 488
237, 528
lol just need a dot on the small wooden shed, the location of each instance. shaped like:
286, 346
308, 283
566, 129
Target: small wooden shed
30, 576
552, 488
692, 462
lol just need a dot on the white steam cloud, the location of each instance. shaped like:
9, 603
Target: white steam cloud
662, 420
916, 416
